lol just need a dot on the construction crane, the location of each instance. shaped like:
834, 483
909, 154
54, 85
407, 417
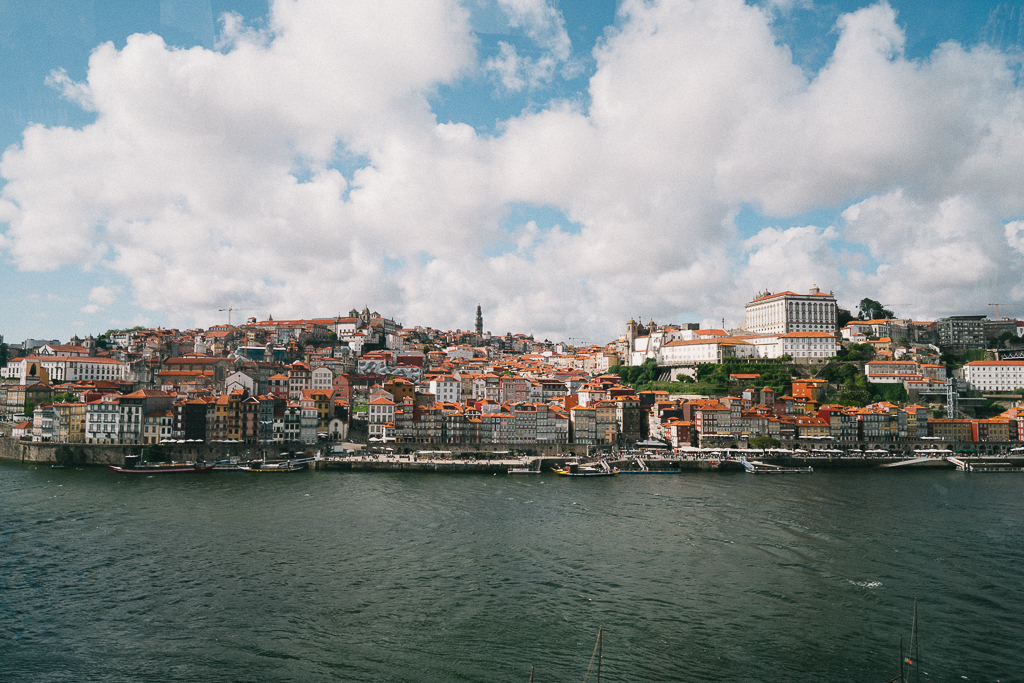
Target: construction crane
1003, 304
234, 309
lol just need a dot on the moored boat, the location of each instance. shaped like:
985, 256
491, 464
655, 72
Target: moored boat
134, 465
592, 469
285, 466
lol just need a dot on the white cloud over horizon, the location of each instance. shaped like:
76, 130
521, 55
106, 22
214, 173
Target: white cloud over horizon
100, 297
298, 174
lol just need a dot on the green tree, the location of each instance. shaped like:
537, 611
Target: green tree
839, 373
989, 409
763, 442
855, 352
3, 355
893, 393
854, 397
843, 318
639, 376
873, 310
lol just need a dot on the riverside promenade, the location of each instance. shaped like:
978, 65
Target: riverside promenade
500, 461
634, 463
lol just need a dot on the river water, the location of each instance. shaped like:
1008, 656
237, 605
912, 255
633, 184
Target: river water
332, 576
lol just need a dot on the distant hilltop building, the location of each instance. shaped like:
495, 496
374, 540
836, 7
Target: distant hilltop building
479, 321
786, 312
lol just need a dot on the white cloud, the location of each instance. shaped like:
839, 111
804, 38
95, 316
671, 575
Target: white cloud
544, 25
78, 93
103, 295
100, 297
507, 67
207, 177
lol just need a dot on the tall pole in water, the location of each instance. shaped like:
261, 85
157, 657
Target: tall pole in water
901, 679
917, 655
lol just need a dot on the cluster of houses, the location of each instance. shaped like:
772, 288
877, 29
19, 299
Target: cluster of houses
305, 381
365, 376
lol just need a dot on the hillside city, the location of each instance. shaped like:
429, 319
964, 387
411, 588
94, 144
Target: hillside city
799, 370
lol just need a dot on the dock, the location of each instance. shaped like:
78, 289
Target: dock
758, 467
968, 466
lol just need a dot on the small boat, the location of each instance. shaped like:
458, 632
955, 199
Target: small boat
284, 466
134, 465
591, 469
233, 465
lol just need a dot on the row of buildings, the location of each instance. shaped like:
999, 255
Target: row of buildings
281, 381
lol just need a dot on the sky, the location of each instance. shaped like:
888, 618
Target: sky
566, 164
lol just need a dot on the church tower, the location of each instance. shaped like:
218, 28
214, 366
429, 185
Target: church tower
479, 321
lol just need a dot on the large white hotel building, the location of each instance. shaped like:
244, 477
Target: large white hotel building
786, 312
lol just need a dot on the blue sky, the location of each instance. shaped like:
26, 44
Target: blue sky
469, 162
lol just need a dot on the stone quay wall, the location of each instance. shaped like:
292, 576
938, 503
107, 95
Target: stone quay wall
29, 451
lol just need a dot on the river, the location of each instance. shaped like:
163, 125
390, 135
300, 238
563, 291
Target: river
343, 576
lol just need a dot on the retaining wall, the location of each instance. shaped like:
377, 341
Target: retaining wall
28, 451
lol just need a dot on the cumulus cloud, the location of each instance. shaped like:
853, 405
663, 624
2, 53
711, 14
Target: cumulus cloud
298, 174
544, 25
99, 298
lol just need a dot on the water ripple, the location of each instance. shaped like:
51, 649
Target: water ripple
381, 577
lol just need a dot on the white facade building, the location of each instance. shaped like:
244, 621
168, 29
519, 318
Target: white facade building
322, 379
381, 412
446, 389
786, 312
70, 368
808, 345
705, 351
994, 375
113, 420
